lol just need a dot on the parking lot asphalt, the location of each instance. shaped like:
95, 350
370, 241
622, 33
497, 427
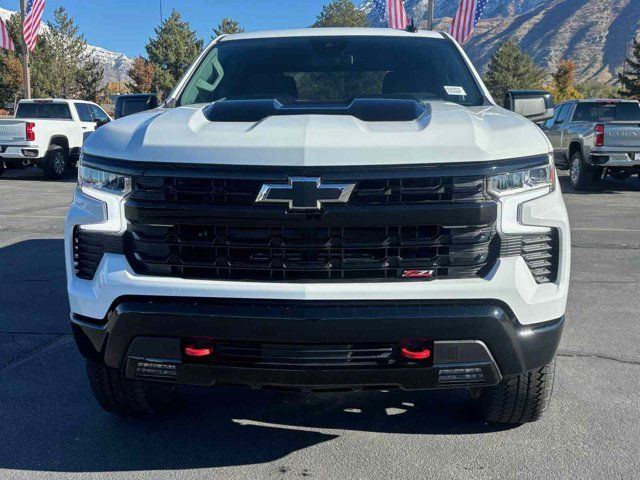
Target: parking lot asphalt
50, 426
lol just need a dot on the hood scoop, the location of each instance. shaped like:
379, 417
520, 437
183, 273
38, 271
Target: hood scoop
365, 109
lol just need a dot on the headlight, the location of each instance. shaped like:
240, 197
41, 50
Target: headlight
105, 181
523, 181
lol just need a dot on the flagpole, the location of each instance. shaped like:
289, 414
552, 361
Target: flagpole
430, 19
25, 56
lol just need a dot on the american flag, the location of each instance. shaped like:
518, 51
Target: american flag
32, 19
392, 13
5, 38
466, 18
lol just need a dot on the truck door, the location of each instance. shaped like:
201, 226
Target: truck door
87, 123
554, 132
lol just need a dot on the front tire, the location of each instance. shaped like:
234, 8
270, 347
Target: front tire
516, 399
1, 168
55, 162
126, 397
581, 175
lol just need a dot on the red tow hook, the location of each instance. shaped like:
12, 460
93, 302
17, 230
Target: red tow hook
198, 347
416, 350
191, 351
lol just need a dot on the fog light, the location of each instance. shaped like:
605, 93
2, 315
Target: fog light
460, 375
148, 368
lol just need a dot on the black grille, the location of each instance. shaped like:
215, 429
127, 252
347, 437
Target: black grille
390, 191
206, 225
292, 356
540, 252
282, 253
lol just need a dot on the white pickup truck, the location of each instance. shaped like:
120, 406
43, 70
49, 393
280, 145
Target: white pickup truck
48, 133
322, 209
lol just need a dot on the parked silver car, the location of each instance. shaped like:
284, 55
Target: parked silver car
594, 138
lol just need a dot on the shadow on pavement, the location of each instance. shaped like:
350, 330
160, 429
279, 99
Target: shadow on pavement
35, 174
55, 425
33, 292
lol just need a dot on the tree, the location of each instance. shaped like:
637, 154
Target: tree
341, 13
511, 68
172, 51
141, 74
630, 77
228, 26
562, 86
595, 89
10, 78
89, 81
61, 65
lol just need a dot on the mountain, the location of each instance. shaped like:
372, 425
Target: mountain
595, 34
116, 65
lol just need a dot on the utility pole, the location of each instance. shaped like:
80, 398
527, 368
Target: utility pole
430, 19
161, 17
25, 56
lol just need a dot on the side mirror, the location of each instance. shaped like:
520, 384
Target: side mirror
536, 105
100, 123
134, 103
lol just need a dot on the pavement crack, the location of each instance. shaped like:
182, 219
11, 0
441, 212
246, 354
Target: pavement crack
613, 358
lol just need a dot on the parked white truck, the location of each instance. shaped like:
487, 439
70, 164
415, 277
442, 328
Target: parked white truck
322, 209
48, 133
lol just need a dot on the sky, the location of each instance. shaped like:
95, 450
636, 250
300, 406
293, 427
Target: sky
126, 25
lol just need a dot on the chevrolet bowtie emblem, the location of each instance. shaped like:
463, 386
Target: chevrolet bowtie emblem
305, 193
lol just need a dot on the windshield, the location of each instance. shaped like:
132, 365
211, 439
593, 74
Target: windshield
57, 111
607, 112
333, 69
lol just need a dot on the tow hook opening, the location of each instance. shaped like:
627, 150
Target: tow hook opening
417, 350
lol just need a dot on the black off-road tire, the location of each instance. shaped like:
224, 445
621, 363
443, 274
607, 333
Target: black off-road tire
123, 396
1, 168
582, 176
55, 162
517, 399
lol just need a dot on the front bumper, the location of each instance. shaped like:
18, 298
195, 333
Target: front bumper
509, 282
144, 334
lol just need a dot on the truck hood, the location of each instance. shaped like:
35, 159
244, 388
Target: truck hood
446, 133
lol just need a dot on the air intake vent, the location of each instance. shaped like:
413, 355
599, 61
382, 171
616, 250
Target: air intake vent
540, 251
88, 249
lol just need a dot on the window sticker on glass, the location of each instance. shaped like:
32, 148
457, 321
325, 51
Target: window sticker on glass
451, 90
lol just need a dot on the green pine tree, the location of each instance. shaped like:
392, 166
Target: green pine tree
511, 68
341, 13
630, 78
172, 51
228, 26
